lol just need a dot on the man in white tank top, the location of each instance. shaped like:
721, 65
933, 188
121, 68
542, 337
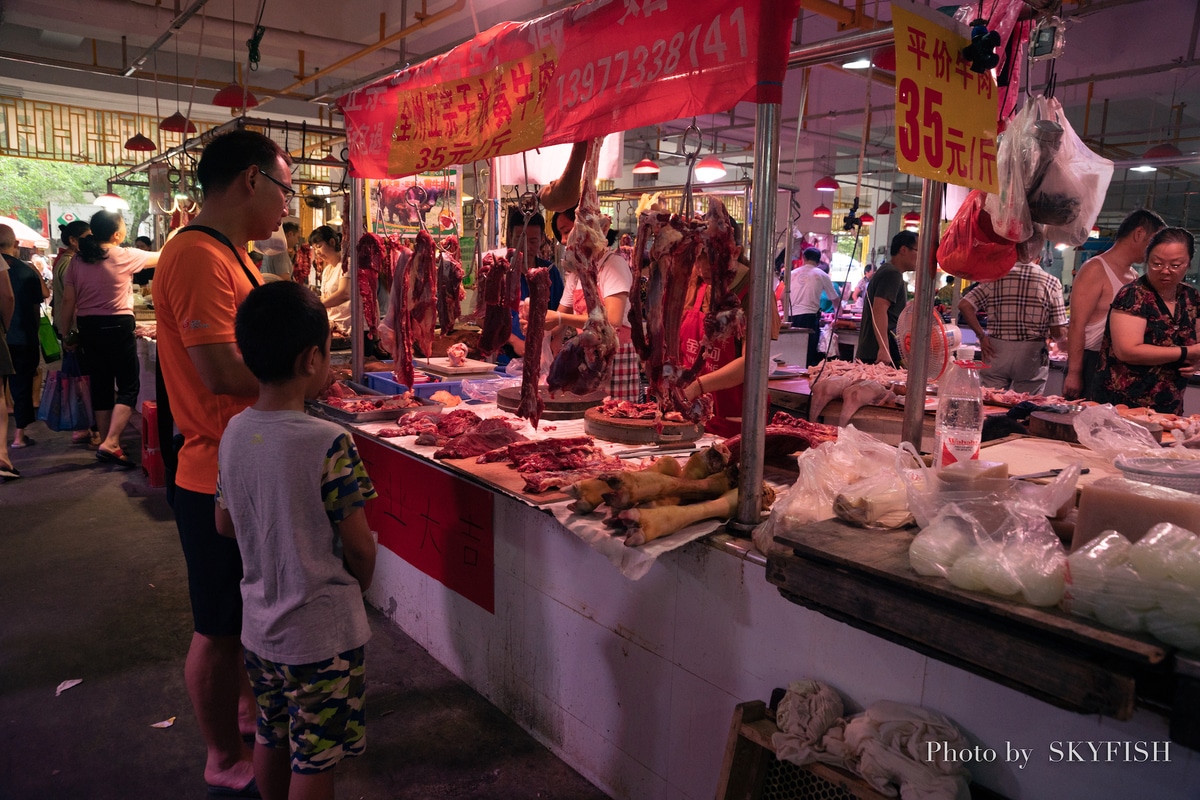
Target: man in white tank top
1092, 291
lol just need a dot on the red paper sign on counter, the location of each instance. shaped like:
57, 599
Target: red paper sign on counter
440, 524
585, 71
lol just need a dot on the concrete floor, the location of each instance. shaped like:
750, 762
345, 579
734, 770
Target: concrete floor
92, 586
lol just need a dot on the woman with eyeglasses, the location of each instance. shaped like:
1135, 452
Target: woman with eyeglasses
1151, 341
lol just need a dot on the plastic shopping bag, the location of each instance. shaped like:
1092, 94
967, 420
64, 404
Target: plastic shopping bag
51, 349
66, 403
1016, 157
1071, 191
971, 248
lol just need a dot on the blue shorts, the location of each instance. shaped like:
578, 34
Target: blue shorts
316, 710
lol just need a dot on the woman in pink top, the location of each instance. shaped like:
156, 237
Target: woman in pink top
98, 300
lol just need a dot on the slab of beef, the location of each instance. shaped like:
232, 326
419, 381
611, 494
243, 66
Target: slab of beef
493, 289
422, 313
674, 254
584, 363
477, 442
637, 314
450, 293
398, 312
725, 317
302, 263
531, 405
431, 439
457, 422
371, 254
784, 436
625, 409
516, 452
537, 482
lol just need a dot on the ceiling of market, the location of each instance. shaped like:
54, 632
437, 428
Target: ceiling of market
1128, 78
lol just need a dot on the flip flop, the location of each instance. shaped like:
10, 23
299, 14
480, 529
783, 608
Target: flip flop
9, 472
116, 457
27, 443
249, 790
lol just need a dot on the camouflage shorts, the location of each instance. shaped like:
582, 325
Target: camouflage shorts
327, 722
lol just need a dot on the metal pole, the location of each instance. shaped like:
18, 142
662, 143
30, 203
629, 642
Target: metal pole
789, 242
931, 214
762, 305
355, 216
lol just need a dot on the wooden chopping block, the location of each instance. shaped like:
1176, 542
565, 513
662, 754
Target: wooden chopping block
638, 431
565, 406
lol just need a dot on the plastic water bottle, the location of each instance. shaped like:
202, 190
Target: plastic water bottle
958, 428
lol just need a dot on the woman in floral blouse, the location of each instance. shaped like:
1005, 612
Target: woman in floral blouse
1150, 344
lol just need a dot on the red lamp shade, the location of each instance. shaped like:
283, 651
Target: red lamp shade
140, 143
821, 212
232, 97
885, 59
866, 219
885, 208
912, 218
1164, 150
827, 184
177, 123
645, 167
710, 169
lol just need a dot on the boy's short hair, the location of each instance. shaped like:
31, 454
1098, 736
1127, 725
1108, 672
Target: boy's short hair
812, 255
516, 219
276, 323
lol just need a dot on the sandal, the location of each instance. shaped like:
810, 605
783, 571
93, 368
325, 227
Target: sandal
116, 457
29, 442
8, 472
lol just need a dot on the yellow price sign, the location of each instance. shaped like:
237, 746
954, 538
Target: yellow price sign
945, 113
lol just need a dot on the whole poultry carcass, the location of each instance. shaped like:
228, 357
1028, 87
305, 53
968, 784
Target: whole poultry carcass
584, 363
422, 313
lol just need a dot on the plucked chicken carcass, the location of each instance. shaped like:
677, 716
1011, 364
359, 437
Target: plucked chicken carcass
584, 363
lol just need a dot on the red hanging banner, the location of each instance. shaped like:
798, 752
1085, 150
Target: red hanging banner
585, 71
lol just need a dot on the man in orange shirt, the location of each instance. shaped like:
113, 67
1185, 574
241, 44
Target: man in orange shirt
202, 278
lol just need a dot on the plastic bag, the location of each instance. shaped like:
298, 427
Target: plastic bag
1102, 429
970, 248
487, 388
824, 471
1071, 193
1008, 209
66, 402
928, 495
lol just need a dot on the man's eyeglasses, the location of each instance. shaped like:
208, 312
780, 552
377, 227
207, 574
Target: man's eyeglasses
1158, 266
288, 192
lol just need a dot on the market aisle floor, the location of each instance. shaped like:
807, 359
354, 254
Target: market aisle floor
92, 587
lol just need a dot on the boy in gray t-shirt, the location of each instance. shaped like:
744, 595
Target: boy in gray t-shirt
307, 551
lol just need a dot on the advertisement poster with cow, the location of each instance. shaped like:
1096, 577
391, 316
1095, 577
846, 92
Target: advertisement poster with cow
429, 199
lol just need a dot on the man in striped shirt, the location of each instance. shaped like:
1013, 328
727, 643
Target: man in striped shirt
1022, 308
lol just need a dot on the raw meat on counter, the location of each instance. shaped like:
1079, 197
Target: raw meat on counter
457, 353
555, 463
647, 524
786, 435
484, 437
357, 404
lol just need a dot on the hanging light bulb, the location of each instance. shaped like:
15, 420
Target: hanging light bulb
1094, 233
821, 212
827, 184
232, 97
912, 219
710, 169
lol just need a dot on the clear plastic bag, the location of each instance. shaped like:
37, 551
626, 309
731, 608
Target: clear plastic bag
1102, 429
824, 471
487, 388
1069, 196
1008, 209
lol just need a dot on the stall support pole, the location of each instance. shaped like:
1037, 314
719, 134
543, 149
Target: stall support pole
931, 214
762, 305
355, 214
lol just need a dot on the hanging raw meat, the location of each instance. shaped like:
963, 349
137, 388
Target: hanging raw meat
637, 317
531, 405
450, 292
584, 363
725, 317
302, 266
422, 312
493, 290
371, 255
402, 365
674, 255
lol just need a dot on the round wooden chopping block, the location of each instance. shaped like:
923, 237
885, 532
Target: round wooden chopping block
1051, 425
565, 406
638, 431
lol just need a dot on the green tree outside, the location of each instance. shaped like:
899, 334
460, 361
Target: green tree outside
31, 184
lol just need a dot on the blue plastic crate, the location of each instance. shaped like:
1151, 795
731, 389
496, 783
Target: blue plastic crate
384, 382
427, 390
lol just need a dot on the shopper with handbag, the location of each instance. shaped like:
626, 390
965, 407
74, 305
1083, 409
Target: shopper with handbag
7, 301
29, 289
